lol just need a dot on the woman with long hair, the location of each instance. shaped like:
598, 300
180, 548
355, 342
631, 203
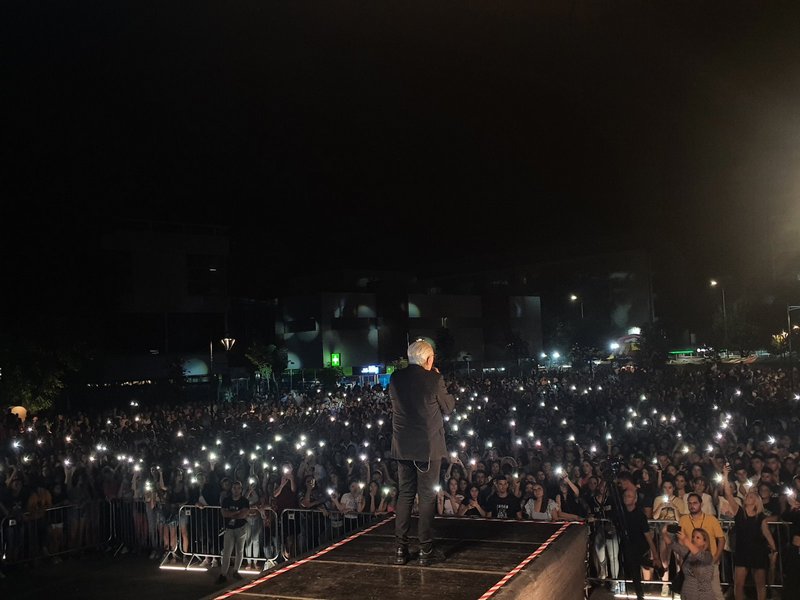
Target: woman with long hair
471, 506
755, 545
587, 471
540, 508
372, 497
681, 485
178, 496
448, 501
667, 507
389, 500
255, 525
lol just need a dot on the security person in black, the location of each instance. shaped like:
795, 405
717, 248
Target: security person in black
235, 510
419, 401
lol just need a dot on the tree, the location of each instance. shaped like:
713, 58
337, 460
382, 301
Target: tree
780, 342
400, 363
267, 359
653, 348
329, 377
176, 379
38, 361
581, 356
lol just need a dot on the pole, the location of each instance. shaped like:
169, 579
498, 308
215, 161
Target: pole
581, 309
724, 318
211, 374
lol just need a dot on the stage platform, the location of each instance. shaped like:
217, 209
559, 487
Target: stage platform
485, 558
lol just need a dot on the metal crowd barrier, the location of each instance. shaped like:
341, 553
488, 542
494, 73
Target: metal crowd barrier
305, 530
203, 529
775, 575
55, 532
271, 537
134, 526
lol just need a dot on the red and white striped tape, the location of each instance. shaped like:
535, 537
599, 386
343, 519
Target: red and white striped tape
303, 561
493, 590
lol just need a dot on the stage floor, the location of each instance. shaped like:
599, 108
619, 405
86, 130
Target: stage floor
483, 558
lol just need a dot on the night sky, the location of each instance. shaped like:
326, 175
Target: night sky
406, 133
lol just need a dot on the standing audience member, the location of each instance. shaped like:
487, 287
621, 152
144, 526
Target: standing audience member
754, 541
235, 510
636, 540
696, 563
697, 519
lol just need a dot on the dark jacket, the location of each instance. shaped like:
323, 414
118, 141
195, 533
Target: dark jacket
419, 399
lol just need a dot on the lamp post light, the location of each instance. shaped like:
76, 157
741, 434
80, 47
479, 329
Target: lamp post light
467, 358
715, 283
575, 298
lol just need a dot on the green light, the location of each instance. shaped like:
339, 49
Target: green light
336, 359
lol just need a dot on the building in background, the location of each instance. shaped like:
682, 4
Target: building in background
368, 330
169, 307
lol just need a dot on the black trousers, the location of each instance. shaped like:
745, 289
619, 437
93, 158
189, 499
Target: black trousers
632, 563
416, 478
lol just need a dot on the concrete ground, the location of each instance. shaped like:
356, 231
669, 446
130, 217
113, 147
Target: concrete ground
99, 576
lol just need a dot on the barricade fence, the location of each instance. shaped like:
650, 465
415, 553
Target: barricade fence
200, 537
55, 532
305, 530
269, 537
604, 550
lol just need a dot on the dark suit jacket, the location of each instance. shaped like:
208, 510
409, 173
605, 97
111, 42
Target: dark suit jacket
419, 399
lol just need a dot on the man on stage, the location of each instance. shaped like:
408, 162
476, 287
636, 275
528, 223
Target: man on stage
419, 400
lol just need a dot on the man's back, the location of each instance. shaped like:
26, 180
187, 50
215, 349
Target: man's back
419, 398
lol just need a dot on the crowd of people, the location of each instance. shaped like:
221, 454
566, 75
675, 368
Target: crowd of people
683, 445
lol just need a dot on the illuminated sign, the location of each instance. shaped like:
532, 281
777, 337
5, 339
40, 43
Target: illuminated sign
336, 359
371, 370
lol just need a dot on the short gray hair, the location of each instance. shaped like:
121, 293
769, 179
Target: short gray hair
419, 351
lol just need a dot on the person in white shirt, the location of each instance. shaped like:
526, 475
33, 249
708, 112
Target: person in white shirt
352, 502
449, 501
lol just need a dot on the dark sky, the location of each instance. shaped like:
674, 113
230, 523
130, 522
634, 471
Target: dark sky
404, 131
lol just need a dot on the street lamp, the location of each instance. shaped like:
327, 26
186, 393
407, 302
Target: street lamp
467, 357
715, 283
575, 298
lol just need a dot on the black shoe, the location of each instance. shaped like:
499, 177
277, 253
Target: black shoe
429, 557
401, 555
222, 579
